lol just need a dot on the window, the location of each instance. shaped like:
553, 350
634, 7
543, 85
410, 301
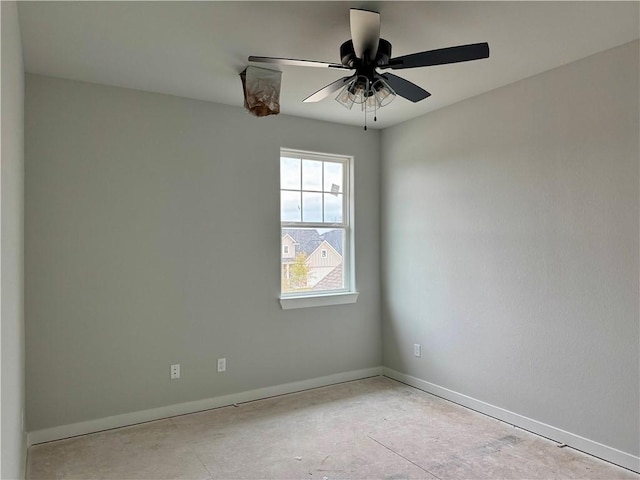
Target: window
315, 225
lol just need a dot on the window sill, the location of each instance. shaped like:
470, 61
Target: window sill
289, 303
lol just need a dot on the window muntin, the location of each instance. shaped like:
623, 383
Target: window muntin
314, 201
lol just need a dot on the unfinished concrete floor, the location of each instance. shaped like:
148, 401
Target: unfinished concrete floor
375, 428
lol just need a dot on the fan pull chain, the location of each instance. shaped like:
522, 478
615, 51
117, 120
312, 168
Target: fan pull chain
365, 119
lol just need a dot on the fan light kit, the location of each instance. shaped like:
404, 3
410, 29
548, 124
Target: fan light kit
366, 53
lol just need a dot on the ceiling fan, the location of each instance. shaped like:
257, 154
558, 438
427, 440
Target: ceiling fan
366, 53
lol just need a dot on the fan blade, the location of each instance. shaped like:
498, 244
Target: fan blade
461, 53
365, 32
296, 63
324, 92
405, 88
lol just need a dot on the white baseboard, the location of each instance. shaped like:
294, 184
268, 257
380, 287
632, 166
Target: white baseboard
585, 445
126, 419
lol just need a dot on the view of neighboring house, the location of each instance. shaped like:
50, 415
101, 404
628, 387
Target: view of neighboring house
311, 260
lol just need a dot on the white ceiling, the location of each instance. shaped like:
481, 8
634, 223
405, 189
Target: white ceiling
197, 49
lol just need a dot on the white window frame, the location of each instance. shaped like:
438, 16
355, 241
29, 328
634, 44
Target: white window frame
285, 249
348, 294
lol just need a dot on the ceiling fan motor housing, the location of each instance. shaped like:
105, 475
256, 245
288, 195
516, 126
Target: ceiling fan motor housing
349, 59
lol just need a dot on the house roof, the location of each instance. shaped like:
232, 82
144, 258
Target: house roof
308, 239
332, 281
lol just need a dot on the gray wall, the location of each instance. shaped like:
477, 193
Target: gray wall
152, 238
12, 217
510, 247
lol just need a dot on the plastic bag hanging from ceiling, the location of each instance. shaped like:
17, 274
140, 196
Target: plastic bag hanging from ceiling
261, 89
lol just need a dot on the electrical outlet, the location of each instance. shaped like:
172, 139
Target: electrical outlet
222, 365
417, 350
175, 371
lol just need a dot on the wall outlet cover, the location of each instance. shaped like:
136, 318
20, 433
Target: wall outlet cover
222, 364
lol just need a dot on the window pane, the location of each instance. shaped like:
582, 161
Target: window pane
290, 173
333, 177
333, 208
290, 206
311, 207
311, 175
309, 270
